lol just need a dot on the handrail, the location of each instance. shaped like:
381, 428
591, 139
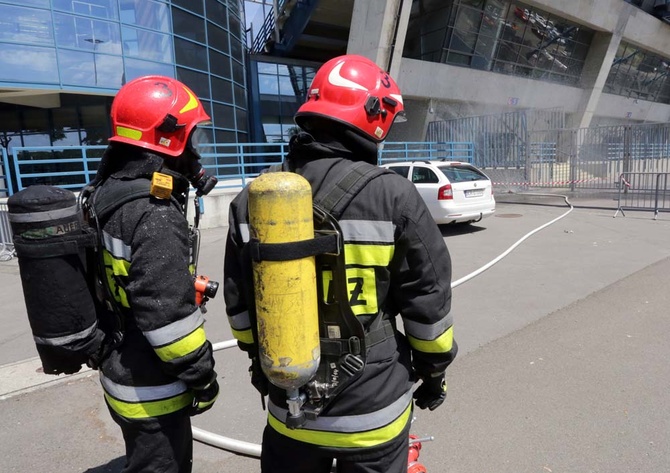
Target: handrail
234, 164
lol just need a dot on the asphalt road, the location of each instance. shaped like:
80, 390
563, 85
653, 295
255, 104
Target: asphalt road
562, 364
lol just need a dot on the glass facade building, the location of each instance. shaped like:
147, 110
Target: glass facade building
498, 36
639, 74
76, 54
277, 90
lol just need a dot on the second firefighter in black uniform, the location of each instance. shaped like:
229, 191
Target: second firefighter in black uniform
396, 263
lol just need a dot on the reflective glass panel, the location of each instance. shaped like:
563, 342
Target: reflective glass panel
188, 25
219, 64
25, 25
268, 84
498, 35
190, 54
97, 8
90, 69
224, 116
87, 34
35, 3
222, 90
194, 6
146, 44
137, 68
196, 81
218, 38
639, 74
28, 64
216, 11
146, 13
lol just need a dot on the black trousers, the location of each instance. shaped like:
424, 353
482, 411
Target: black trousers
281, 454
157, 445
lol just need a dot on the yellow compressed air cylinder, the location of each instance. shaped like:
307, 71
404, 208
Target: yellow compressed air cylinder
280, 211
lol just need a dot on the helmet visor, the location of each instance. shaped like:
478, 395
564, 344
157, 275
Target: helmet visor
400, 117
201, 140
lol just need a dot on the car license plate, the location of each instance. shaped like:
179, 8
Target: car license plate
474, 193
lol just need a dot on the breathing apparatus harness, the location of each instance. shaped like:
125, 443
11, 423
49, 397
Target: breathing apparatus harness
344, 341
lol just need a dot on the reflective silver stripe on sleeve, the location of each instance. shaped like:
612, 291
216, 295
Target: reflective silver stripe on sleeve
66, 339
141, 393
240, 321
355, 423
116, 247
176, 330
427, 331
44, 216
367, 230
244, 232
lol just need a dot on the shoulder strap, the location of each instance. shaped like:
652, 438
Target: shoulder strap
108, 201
336, 198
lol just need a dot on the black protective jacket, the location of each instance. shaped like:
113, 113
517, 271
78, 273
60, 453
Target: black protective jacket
397, 263
165, 352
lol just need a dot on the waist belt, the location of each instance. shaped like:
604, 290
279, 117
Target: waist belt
342, 346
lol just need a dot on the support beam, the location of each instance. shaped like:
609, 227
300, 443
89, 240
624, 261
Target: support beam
596, 69
378, 30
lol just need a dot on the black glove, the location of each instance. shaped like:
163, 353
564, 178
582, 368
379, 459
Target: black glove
432, 392
258, 378
203, 399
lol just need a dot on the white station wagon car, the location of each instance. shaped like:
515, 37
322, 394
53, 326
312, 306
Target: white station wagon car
454, 191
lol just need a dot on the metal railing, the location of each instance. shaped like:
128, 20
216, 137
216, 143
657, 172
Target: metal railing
421, 150
6, 242
234, 164
643, 191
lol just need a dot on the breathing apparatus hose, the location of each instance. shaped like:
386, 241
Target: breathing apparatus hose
254, 450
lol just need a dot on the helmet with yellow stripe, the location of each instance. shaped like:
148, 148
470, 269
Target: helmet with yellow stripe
157, 113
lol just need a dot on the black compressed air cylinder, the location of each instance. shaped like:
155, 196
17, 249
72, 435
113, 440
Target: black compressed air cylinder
51, 245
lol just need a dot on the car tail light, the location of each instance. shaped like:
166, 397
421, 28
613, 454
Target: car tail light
445, 193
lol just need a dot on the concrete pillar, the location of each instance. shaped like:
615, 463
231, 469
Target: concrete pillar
378, 30
596, 69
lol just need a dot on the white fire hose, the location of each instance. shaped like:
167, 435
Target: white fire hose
254, 450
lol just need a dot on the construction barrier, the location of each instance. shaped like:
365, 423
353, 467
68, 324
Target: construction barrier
643, 191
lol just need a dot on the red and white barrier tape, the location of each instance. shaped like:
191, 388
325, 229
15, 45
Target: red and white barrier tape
550, 183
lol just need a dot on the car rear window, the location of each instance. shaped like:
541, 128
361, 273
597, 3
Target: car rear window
462, 173
402, 170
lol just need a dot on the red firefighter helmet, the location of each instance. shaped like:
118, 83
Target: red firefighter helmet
353, 90
157, 113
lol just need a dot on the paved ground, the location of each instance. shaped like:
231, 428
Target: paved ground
562, 365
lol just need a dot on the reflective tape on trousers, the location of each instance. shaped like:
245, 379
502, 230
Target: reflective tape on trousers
353, 423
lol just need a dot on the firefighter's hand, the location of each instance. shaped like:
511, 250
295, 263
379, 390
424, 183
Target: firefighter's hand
432, 392
258, 378
203, 399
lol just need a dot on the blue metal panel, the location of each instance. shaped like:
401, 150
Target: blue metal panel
295, 24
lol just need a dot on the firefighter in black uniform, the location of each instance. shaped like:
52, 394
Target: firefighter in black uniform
163, 371
396, 263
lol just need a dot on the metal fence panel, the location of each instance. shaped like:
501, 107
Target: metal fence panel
594, 158
5, 228
643, 191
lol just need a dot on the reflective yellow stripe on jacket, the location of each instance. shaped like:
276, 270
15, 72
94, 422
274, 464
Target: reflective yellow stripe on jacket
356, 431
431, 338
178, 338
141, 402
116, 255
